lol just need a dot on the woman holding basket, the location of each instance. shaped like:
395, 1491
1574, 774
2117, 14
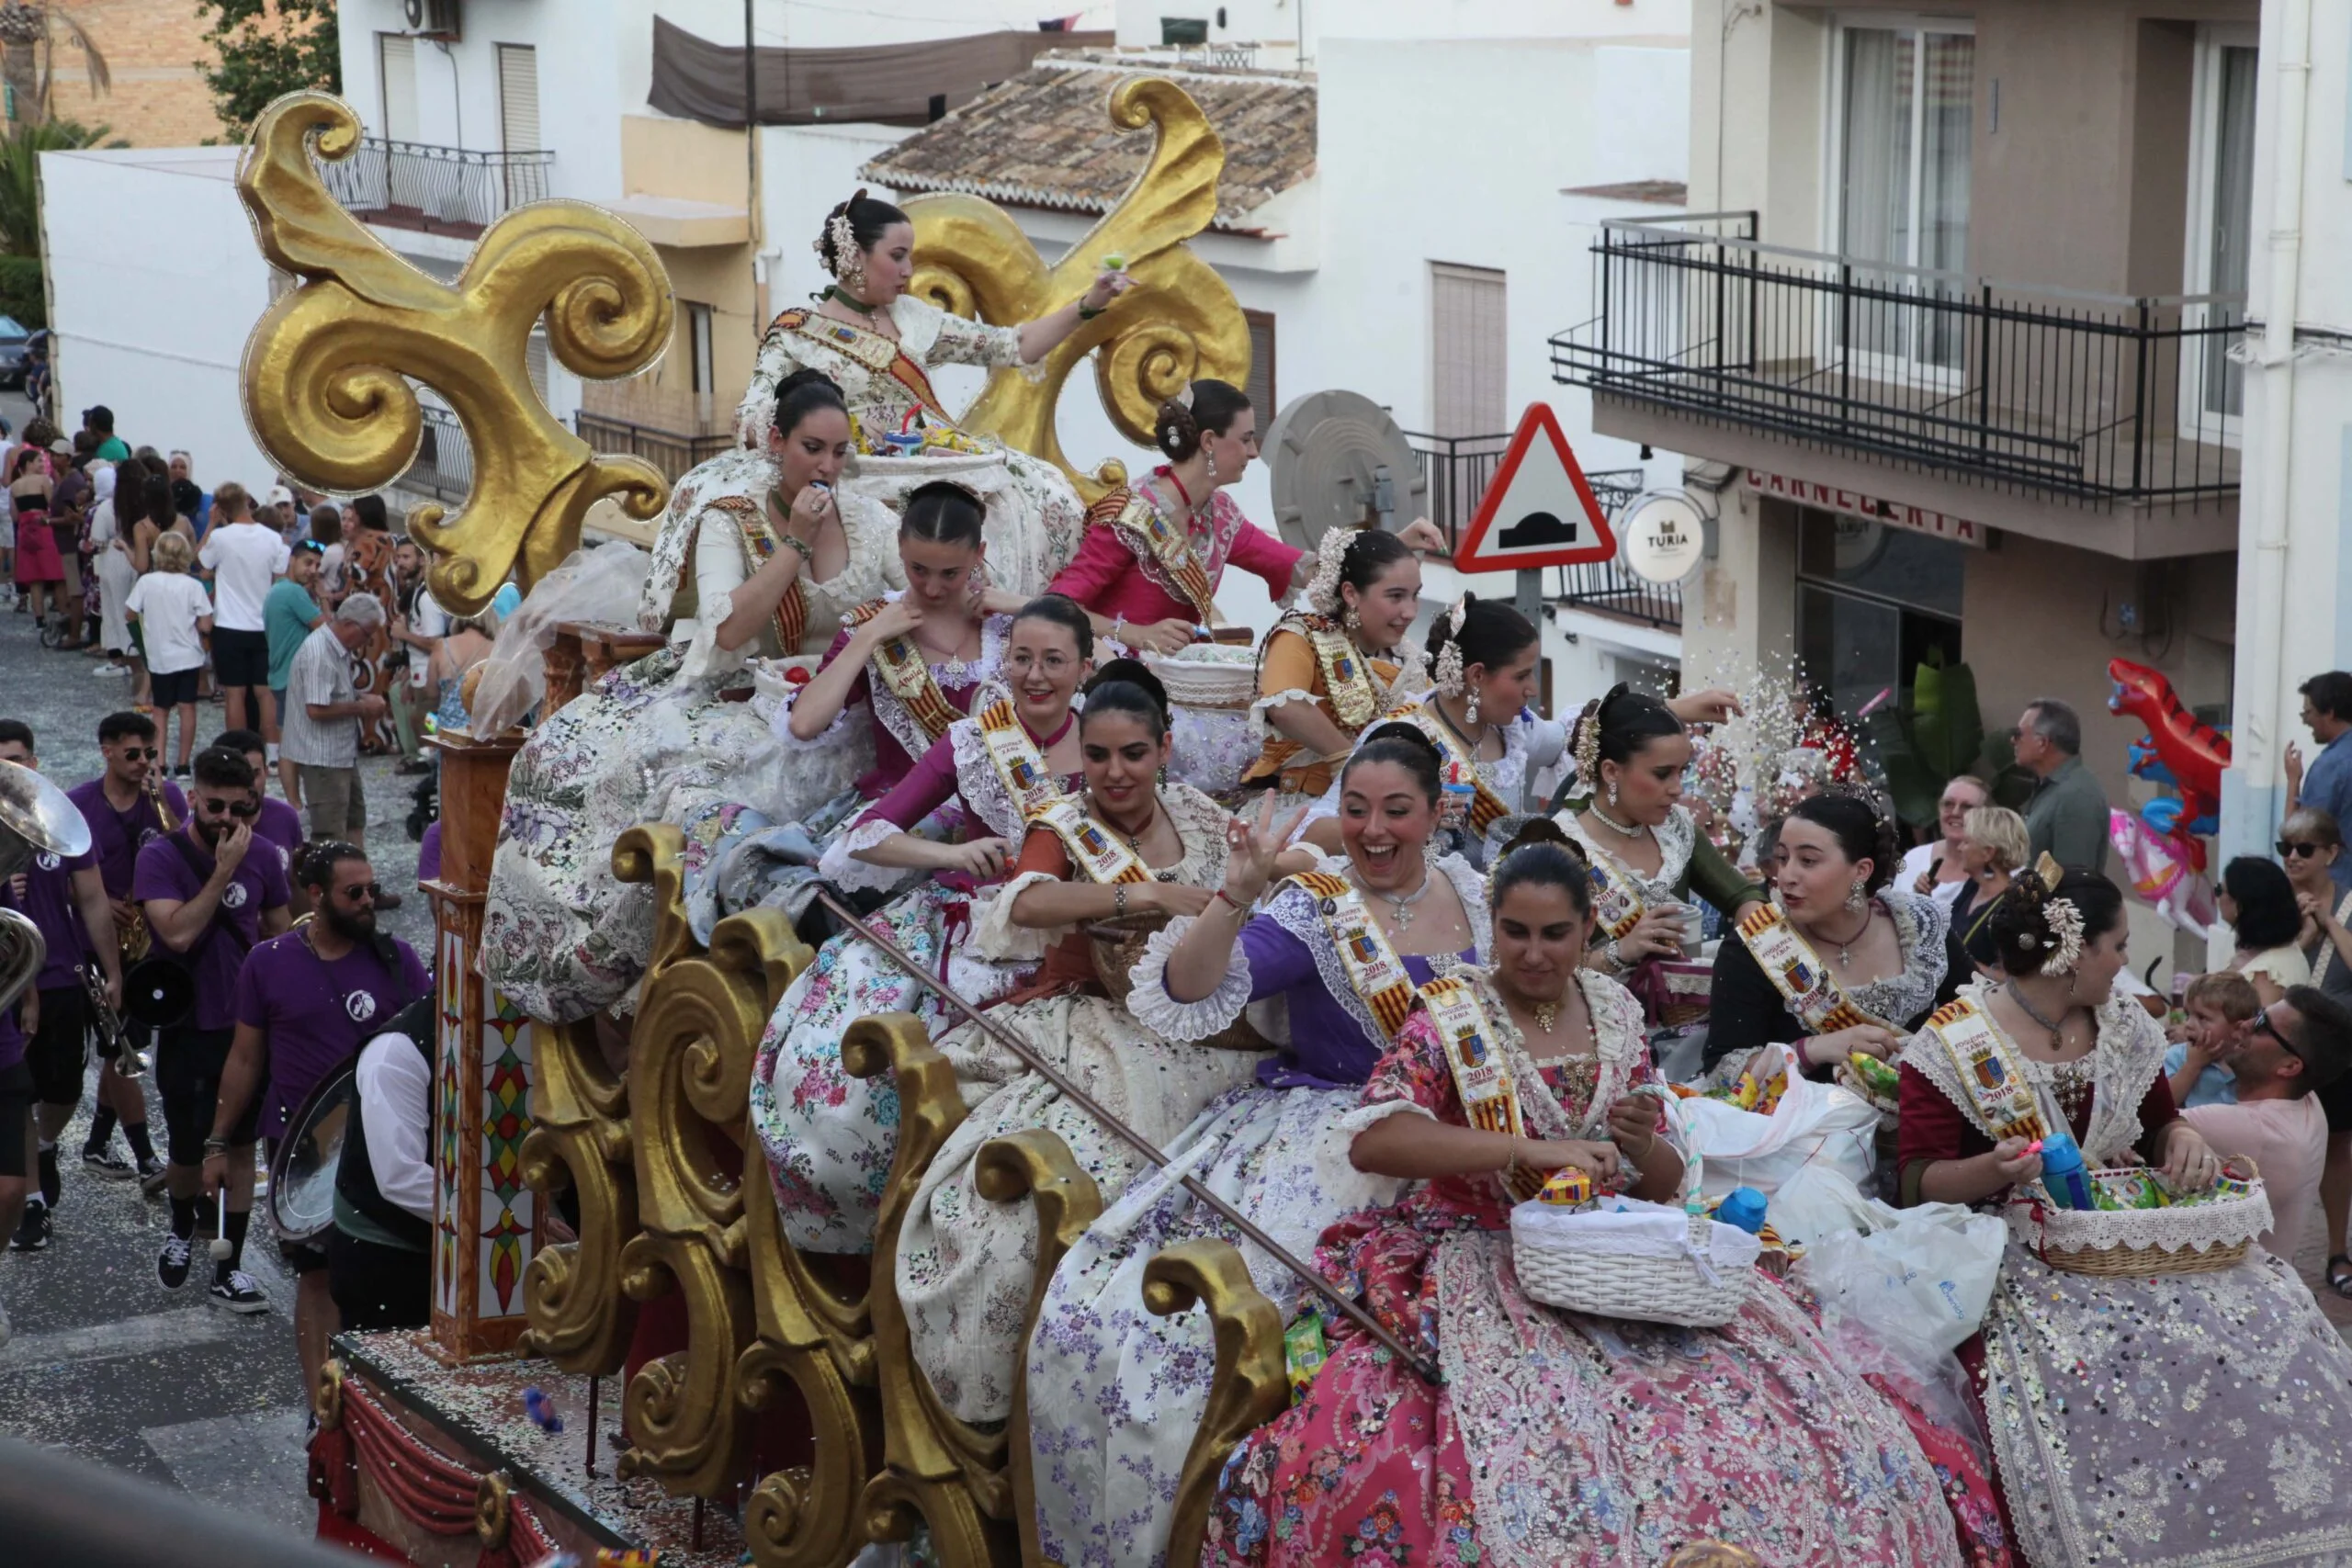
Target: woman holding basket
1559, 1438
2144, 1405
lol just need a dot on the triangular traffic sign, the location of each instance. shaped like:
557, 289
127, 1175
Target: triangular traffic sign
1539, 511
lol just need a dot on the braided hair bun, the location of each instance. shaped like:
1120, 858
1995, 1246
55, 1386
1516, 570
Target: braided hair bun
1864, 829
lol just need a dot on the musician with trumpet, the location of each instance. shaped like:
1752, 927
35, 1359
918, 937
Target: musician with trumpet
127, 806
64, 898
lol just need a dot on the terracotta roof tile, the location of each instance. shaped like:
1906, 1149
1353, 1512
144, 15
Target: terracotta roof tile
1043, 138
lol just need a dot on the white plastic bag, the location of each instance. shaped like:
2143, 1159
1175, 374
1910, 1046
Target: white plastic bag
1815, 1124
1919, 1279
601, 584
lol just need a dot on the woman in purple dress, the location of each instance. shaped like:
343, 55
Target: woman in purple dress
1328, 968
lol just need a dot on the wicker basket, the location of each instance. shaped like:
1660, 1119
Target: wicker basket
1689, 991
1208, 676
2199, 1238
1599, 1277
1118, 944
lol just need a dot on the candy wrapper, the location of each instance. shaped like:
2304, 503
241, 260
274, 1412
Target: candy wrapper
542, 1410
1304, 1353
1571, 1189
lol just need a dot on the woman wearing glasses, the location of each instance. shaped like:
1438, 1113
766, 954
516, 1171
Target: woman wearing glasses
2309, 843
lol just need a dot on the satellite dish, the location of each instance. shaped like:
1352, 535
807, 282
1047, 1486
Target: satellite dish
1338, 461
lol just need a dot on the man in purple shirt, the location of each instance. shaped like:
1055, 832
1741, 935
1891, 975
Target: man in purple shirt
122, 817
306, 1002
63, 898
279, 824
210, 899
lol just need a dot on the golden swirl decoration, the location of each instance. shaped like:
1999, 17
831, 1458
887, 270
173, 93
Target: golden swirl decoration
1250, 1385
1178, 324
326, 369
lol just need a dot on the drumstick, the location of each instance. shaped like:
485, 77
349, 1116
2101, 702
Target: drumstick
221, 1247
1345, 1304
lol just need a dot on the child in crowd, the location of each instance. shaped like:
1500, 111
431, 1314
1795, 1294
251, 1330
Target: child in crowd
175, 616
2197, 1061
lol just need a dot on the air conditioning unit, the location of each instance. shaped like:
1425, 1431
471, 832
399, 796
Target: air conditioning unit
435, 18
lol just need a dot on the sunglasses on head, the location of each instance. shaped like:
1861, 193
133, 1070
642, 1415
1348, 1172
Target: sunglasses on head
311, 546
242, 809
2289, 848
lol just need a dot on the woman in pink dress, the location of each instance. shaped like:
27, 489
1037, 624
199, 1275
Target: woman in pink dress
1558, 1437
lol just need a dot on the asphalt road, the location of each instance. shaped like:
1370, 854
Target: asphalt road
105, 1361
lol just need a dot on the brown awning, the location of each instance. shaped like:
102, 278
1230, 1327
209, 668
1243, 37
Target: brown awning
907, 83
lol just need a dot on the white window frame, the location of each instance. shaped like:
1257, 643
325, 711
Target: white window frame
1907, 369
2196, 265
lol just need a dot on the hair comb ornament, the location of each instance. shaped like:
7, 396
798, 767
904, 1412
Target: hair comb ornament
1584, 744
2066, 926
2048, 871
1330, 555
1448, 658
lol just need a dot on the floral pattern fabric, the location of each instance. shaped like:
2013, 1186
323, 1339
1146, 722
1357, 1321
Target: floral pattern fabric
1561, 1438
967, 1265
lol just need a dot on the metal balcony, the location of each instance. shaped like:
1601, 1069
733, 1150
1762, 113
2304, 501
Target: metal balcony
671, 451
435, 190
1458, 468
2088, 399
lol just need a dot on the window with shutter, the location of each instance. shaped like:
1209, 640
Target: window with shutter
1261, 365
518, 97
1469, 350
396, 64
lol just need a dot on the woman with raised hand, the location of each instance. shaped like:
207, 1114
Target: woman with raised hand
1114, 1393
1751, 1434
830, 1137
776, 555
2175, 1417
967, 1265
1844, 960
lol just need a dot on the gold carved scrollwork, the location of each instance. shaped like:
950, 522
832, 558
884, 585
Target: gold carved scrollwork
1250, 1386
326, 368
1180, 323
939, 1471
580, 1138
698, 1022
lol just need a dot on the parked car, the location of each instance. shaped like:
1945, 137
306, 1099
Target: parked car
15, 336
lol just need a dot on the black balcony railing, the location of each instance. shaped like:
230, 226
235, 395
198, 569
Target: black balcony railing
2091, 398
436, 190
444, 462
667, 450
1458, 468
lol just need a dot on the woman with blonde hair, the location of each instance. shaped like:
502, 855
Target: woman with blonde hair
175, 615
1993, 847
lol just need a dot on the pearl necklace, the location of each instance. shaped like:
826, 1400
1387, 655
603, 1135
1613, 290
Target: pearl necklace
2030, 1011
1400, 914
1622, 830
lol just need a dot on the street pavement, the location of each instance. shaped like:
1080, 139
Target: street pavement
105, 1362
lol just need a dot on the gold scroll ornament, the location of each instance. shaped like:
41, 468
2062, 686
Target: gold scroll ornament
326, 369
1180, 322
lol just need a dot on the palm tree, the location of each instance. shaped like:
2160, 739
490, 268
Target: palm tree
20, 150
29, 34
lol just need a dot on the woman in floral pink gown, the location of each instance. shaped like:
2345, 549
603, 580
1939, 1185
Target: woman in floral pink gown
1557, 1438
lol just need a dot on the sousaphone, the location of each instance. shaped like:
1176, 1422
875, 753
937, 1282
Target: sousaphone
35, 818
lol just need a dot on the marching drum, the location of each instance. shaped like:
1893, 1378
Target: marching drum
302, 1168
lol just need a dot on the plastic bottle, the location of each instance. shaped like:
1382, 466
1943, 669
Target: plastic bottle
2062, 1172
1744, 1207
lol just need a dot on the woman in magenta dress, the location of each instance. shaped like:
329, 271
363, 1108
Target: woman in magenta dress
1559, 1438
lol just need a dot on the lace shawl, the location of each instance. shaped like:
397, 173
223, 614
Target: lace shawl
1921, 926
1676, 837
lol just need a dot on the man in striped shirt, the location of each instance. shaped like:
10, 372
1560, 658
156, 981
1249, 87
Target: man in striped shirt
323, 713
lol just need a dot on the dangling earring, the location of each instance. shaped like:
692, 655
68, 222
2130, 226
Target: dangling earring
1211, 455
1855, 897
1354, 622
1471, 715
1613, 795
1163, 776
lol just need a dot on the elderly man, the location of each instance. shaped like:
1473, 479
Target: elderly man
323, 713
2067, 815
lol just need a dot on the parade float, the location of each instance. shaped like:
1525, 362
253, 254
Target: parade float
793, 1428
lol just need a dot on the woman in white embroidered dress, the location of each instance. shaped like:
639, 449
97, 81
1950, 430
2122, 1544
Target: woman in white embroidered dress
899, 671
881, 342
777, 553
1116, 1395
1484, 654
965, 1265
1750, 1433
830, 1137
2199, 1418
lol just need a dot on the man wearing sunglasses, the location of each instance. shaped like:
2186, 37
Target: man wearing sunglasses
208, 901
306, 1001
123, 820
2286, 1053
